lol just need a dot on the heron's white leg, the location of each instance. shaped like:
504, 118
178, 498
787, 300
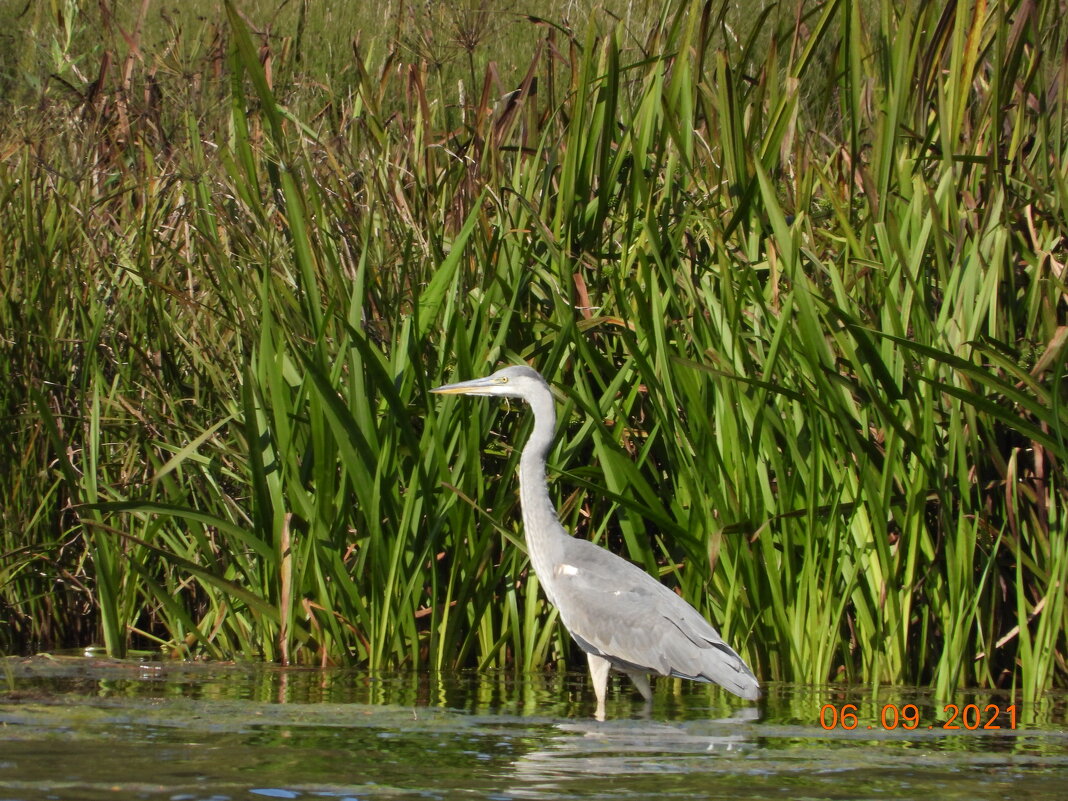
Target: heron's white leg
641, 681
599, 673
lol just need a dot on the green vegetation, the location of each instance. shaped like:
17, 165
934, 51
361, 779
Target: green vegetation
799, 276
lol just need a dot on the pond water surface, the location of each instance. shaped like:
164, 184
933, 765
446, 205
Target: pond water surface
76, 728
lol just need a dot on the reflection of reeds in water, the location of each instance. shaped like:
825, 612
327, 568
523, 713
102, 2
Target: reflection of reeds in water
801, 289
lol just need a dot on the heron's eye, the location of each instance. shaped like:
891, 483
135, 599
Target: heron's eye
504, 380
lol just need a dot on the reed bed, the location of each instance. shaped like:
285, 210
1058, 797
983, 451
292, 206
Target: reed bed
797, 273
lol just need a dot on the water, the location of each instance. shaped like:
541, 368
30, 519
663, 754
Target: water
94, 729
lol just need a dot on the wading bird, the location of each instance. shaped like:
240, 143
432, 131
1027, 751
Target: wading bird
618, 614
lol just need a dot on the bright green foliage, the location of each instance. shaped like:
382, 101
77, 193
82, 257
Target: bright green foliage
799, 278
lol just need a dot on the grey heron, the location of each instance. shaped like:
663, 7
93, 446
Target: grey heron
622, 617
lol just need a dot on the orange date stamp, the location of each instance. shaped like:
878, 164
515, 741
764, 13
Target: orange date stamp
970, 717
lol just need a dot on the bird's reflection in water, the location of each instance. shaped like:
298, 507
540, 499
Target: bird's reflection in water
582, 751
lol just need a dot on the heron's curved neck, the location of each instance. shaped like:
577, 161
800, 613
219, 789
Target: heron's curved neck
541, 525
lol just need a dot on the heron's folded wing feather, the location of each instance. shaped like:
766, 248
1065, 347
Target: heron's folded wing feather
620, 612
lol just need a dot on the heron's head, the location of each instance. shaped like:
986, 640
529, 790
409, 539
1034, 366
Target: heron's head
511, 382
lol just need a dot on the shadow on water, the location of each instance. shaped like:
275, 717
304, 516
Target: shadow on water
75, 728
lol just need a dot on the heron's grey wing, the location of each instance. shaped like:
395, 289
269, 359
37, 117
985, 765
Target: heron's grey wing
616, 610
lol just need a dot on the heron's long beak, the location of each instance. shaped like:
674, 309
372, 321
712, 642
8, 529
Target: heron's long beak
476, 386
